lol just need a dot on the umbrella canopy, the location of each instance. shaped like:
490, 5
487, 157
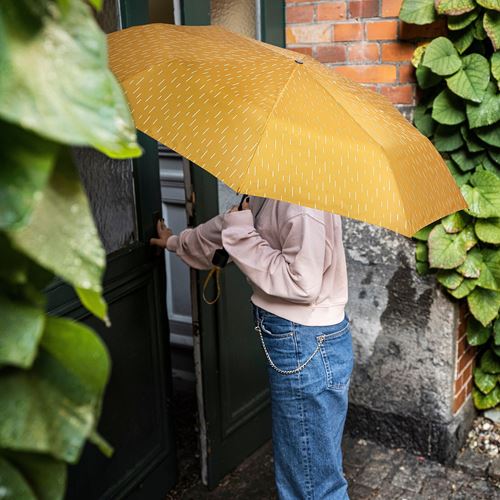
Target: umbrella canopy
273, 123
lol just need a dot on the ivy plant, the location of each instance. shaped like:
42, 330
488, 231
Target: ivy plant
459, 78
55, 91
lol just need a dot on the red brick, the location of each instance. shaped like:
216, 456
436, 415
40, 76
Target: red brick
302, 50
363, 52
369, 73
413, 31
344, 32
299, 14
331, 53
391, 8
461, 345
308, 33
398, 94
331, 11
382, 30
363, 8
369, 86
458, 401
397, 51
407, 73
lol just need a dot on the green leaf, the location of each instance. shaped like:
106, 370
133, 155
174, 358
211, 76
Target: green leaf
446, 251
491, 23
454, 7
52, 408
417, 11
460, 178
12, 483
490, 269
464, 288
45, 476
55, 79
485, 382
483, 197
465, 160
449, 278
472, 265
463, 39
490, 135
485, 401
455, 222
490, 363
495, 67
423, 234
422, 267
471, 80
471, 141
496, 332
447, 138
487, 112
21, 328
97, 4
442, 57
95, 303
484, 304
478, 30
488, 230
27, 161
421, 251
61, 235
418, 53
462, 21
448, 109
477, 334
489, 4
423, 121
426, 78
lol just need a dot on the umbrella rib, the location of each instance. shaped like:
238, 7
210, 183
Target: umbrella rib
369, 135
276, 102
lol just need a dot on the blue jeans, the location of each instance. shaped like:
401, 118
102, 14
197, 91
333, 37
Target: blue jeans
309, 373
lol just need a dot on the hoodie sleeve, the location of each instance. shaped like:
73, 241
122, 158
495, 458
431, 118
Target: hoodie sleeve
295, 272
196, 246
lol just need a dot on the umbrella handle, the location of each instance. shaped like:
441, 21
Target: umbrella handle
240, 206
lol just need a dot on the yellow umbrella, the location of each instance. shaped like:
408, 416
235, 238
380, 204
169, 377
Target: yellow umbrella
270, 122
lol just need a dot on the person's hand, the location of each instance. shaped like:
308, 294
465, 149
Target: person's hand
164, 234
244, 206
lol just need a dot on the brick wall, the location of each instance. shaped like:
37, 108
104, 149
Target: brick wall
362, 39
366, 41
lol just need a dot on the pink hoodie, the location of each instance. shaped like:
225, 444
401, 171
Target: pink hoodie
292, 256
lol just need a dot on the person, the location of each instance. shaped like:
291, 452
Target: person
294, 260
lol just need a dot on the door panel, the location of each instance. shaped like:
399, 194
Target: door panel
136, 416
231, 368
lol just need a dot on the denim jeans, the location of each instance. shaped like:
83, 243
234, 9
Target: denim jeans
309, 371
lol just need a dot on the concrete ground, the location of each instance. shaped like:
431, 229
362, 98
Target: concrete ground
372, 470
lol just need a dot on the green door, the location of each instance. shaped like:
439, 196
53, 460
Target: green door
136, 418
233, 395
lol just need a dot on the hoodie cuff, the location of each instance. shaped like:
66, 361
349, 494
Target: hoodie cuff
237, 218
172, 243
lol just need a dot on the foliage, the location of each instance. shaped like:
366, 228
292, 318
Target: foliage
56, 91
459, 75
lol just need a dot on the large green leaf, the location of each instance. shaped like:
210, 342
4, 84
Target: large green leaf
441, 57
449, 278
471, 80
448, 109
61, 235
462, 21
417, 11
447, 138
490, 363
447, 251
55, 78
477, 334
44, 476
422, 118
490, 134
488, 230
462, 40
455, 222
21, 327
490, 269
472, 265
466, 287
454, 7
471, 141
485, 382
26, 162
485, 401
52, 408
465, 160
491, 23
488, 111
95, 303
12, 483
483, 197
484, 304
